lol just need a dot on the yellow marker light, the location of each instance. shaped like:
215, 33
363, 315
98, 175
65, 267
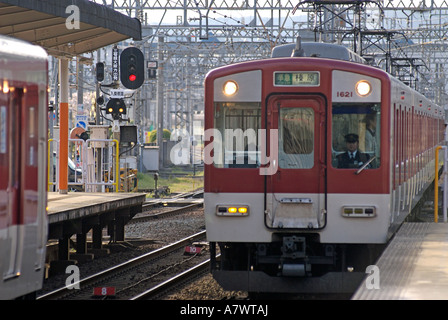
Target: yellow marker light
242, 210
230, 88
363, 88
359, 212
232, 209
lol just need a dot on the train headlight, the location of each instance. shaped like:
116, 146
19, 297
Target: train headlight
242, 210
230, 88
363, 88
359, 211
5, 86
232, 210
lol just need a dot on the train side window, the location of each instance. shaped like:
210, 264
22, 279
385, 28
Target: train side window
296, 138
362, 120
237, 124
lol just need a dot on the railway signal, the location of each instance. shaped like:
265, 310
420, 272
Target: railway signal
100, 71
132, 73
116, 107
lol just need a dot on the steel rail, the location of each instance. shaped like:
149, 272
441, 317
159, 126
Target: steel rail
174, 281
123, 266
165, 214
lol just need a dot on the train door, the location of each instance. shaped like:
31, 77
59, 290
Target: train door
296, 193
10, 215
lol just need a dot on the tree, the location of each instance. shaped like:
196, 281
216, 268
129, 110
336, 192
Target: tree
153, 135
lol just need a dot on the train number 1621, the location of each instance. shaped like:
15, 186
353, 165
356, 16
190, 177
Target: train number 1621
344, 94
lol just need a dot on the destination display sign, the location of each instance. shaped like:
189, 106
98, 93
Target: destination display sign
297, 78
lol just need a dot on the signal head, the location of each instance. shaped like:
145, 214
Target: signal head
116, 107
100, 71
132, 73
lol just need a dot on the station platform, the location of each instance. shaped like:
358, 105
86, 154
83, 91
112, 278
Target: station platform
414, 265
74, 205
78, 213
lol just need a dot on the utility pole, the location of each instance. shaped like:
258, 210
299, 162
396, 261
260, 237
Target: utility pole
97, 88
160, 81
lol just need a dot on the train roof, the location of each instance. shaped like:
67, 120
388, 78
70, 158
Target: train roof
22, 61
20, 49
320, 50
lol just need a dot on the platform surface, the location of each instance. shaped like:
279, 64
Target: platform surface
80, 204
414, 265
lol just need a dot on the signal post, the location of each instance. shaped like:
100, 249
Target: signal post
131, 75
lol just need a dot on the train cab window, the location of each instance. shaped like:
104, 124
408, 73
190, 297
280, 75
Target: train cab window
296, 138
356, 126
238, 124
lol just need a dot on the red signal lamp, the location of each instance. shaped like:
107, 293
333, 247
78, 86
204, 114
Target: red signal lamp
132, 77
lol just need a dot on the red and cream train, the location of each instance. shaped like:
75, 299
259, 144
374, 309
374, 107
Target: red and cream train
286, 216
23, 145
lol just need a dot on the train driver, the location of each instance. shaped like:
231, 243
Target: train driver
353, 157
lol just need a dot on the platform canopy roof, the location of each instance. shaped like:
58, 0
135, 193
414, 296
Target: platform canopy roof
44, 22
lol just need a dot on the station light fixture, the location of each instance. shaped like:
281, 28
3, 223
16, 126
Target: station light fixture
363, 88
230, 88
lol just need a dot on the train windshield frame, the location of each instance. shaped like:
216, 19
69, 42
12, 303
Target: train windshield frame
358, 124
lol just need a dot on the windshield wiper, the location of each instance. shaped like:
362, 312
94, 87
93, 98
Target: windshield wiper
365, 165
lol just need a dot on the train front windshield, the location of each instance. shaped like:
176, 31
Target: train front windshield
296, 138
238, 124
356, 135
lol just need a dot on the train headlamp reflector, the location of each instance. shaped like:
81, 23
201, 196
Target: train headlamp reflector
363, 88
230, 88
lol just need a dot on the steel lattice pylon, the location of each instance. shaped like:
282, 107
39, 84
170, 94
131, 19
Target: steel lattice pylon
406, 37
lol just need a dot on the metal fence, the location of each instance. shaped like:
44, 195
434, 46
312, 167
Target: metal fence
93, 165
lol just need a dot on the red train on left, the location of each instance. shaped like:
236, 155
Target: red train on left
23, 150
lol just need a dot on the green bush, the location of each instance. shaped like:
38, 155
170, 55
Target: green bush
153, 135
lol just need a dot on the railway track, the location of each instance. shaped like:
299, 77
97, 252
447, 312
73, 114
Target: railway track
176, 281
125, 275
171, 212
